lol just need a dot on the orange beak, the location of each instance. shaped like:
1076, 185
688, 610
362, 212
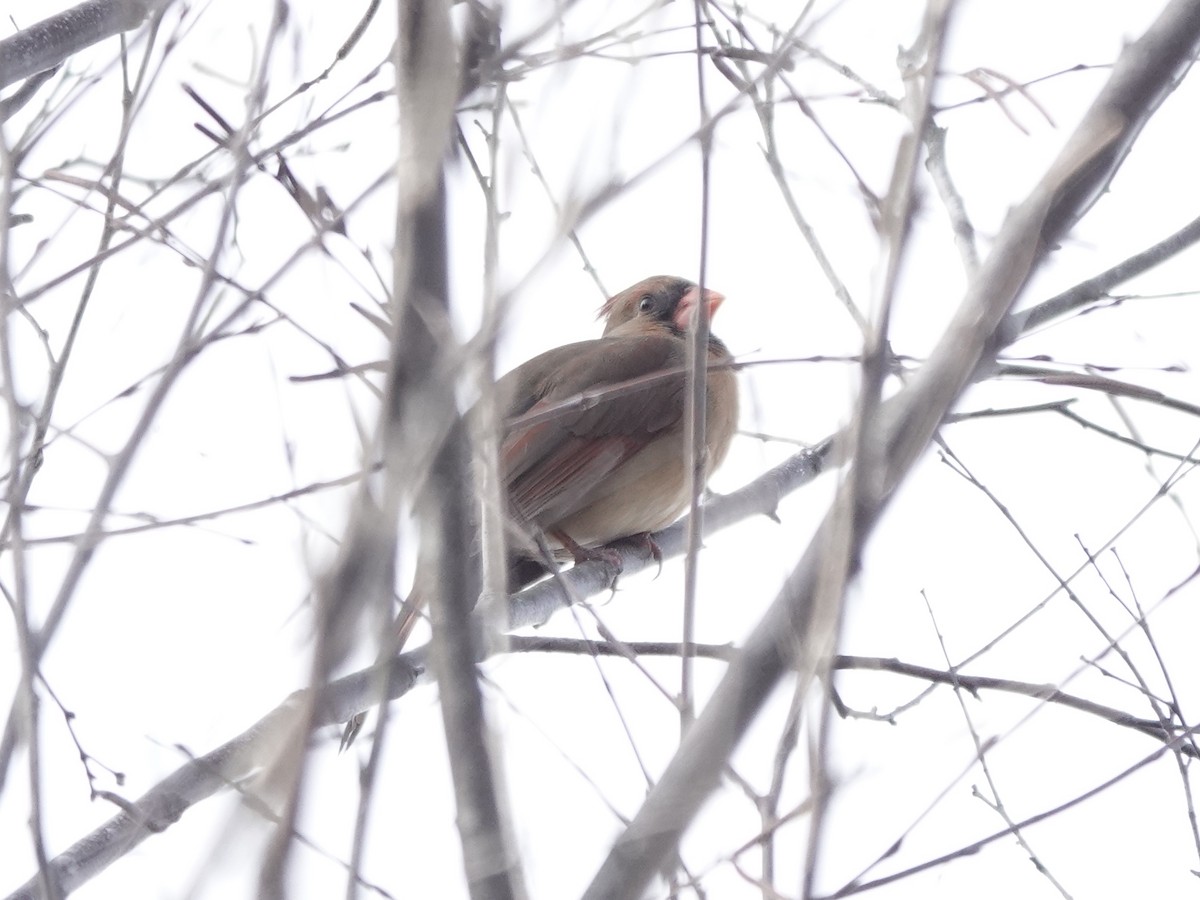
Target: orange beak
686, 311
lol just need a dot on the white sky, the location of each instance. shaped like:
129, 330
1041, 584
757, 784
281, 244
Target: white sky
184, 636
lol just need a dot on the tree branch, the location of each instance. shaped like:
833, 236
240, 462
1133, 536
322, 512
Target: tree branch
231, 763
51, 41
428, 89
1146, 71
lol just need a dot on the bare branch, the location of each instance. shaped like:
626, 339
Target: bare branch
51, 41
1147, 70
427, 93
233, 763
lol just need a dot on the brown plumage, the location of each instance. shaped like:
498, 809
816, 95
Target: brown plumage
584, 475
591, 475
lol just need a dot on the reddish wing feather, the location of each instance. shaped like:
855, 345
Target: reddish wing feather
553, 468
547, 489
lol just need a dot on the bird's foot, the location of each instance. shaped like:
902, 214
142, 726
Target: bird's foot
353, 727
611, 558
648, 545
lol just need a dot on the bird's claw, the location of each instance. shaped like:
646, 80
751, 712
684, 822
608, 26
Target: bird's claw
353, 727
646, 542
606, 555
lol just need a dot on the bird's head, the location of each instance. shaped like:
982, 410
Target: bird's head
657, 302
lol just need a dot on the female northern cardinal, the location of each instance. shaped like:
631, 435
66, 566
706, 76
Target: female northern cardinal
588, 473
616, 466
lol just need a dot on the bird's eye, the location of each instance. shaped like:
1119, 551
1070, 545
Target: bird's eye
646, 303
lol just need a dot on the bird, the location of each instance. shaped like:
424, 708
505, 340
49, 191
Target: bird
579, 475
617, 466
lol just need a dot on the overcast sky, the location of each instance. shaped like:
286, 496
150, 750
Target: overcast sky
180, 637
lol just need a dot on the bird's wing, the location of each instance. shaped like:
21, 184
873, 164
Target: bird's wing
553, 466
